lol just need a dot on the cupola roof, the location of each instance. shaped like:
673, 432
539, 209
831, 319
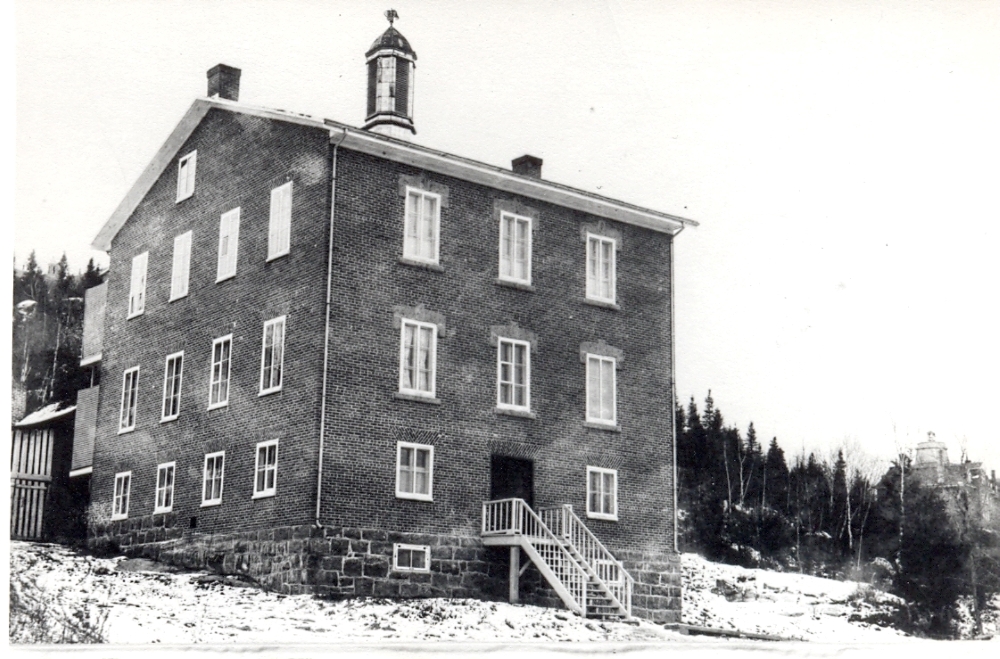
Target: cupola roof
391, 39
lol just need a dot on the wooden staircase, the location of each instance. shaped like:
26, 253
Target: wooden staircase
587, 577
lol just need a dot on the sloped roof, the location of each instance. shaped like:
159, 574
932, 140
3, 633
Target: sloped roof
45, 414
391, 38
382, 146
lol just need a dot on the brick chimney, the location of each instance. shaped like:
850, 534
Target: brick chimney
224, 82
527, 166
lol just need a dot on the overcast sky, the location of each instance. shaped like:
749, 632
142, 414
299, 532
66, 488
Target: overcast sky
841, 158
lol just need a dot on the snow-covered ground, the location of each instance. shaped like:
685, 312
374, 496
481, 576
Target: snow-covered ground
134, 601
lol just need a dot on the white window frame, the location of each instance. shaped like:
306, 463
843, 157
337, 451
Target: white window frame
130, 400
411, 252
267, 384
180, 270
166, 489
212, 379
599, 360
259, 493
185, 177
511, 260
593, 280
514, 343
229, 237
204, 478
137, 285
279, 228
418, 496
601, 514
404, 388
121, 496
168, 393
425, 549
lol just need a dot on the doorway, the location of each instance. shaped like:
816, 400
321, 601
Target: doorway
512, 477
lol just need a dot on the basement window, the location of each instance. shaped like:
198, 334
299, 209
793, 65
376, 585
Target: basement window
411, 558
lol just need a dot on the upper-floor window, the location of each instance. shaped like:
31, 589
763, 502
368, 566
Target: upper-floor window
272, 355
601, 268
417, 357
265, 482
229, 243
601, 403
280, 226
130, 396
181, 266
211, 492
185, 175
164, 488
172, 374
515, 248
423, 219
414, 471
602, 493
123, 486
219, 383
513, 374
137, 287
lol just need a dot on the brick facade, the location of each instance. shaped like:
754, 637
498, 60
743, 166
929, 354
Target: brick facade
240, 159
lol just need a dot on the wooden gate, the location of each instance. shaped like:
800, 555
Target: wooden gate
30, 477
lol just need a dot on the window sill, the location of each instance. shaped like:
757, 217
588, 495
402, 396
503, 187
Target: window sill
218, 405
169, 419
508, 411
417, 398
187, 196
277, 256
414, 497
219, 280
604, 304
163, 511
411, 570
209, 504
264, 495
601, 516
426, 265
519, 285
268, 392
135, 315
126, 431
179, 297
610, 427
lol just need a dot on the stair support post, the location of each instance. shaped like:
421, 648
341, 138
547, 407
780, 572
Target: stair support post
515, 573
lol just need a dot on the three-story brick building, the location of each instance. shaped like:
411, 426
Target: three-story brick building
343, 363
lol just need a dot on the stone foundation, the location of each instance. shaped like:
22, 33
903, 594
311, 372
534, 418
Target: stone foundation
357, 562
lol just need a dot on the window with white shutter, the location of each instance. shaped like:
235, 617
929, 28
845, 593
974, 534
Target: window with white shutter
279, 228
137, 289
185, 175
181, 268
229, 242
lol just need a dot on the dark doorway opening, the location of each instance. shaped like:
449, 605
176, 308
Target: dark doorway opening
512, 477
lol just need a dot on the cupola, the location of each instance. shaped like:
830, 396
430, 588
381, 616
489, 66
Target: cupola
391, 63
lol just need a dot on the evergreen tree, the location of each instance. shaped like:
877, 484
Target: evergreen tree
92, 276
776, 477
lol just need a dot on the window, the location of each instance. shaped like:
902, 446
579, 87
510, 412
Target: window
130, 395
602, 493
600, 268
229, 242
417, 356
123, 483
272, 355
515, 248
137, 288
164, 488
414, 471
265, 481
211, 493
601, 390
513, 374
281, 221
218, 390
172, 386
420, 240
181, 266
411, 558
185, 175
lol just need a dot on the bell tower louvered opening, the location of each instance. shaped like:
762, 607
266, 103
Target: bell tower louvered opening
391, 64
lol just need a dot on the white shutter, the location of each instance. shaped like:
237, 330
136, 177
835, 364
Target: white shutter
279, 228
229, 242
137, 290
181, 266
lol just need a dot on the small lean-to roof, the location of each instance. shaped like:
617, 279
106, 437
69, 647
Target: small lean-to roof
45, 415
355, 139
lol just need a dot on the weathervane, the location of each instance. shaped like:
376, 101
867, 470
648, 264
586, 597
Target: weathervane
391, 15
